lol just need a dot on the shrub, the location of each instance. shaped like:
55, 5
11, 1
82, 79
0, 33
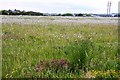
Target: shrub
77, 54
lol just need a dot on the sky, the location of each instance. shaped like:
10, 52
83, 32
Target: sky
60, 6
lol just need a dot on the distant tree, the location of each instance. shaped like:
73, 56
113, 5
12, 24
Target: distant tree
117, 15
15, 10
59, 14
0, 12
4, 12
67, 14
18, 12
88, 14
80, 14
38, 14
23, 12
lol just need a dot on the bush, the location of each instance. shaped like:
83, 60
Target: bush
77, 54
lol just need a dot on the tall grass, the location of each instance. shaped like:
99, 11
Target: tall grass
86, 46
78, 54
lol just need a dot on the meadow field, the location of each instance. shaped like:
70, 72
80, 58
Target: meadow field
59, 47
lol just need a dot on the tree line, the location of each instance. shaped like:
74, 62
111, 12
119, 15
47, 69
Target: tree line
18, 12
32, 13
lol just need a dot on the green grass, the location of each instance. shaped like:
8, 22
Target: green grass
88, 46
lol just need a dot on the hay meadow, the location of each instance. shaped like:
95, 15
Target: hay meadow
59, 47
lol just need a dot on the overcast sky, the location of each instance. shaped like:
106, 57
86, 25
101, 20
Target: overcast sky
60, 6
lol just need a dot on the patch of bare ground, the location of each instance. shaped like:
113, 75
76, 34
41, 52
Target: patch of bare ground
52, 65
